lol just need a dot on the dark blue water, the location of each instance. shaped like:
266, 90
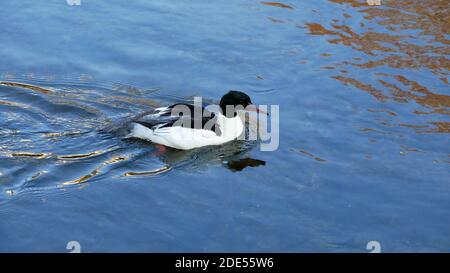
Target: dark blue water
364, 126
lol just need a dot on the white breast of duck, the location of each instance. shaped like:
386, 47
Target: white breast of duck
184, 138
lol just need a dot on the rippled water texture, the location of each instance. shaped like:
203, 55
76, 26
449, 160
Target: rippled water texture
364, 126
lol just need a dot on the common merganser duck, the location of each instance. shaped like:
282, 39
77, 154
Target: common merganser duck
175, 127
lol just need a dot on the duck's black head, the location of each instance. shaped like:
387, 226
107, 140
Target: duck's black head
234, 99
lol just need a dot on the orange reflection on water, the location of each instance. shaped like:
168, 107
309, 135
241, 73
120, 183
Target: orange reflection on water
27, 86
411, 36
277, 4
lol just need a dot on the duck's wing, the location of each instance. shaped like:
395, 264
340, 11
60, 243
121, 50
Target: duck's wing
184, 115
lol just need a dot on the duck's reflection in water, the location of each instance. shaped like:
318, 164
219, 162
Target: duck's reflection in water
240, 164
233, 155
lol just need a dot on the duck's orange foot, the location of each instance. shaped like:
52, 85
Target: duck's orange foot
161, 148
